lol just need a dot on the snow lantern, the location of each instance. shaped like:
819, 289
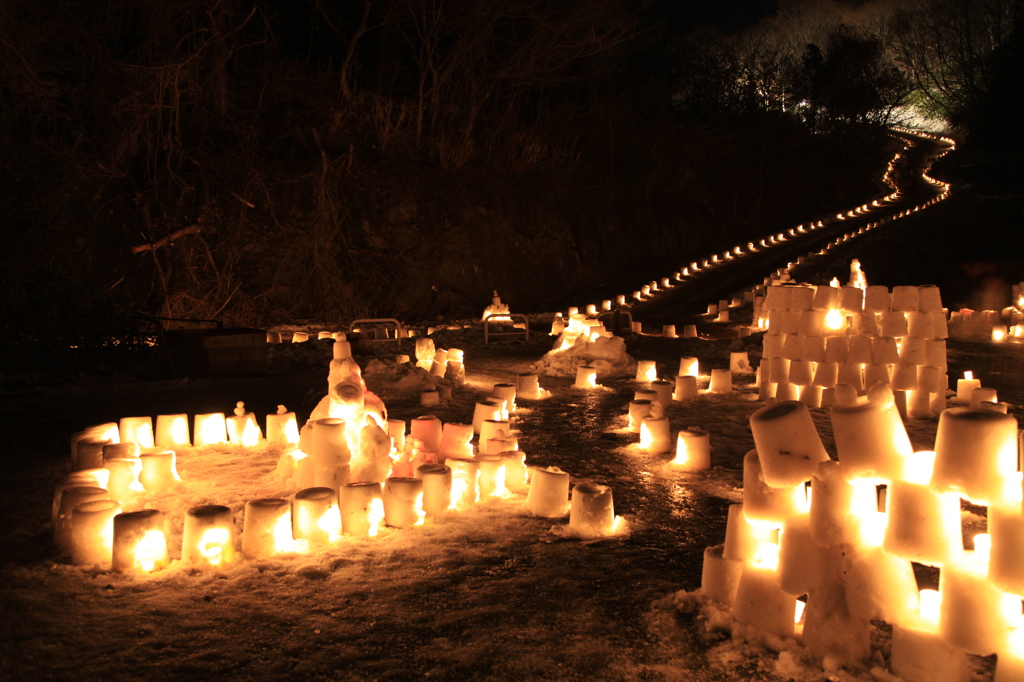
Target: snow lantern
592, 513
316, 516
362, 509
403, 502
140, 541
92, 532
549, 492
437, 488
267, 528
208, 539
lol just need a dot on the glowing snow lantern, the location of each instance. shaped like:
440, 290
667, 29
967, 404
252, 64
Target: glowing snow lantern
549, 492
282, 428
428, 430
971, 613
760, 600
999, 332
123, 483
210, 429
586, 377
92, 532
721, 381
923, 525
975, 451
528, 386
208, 540
693, 449
437, 488
787, 443
124, 450
316, 517
492, 430
983, 395
491, 477
70, 498
685, 388
140, 541
137, 429
720, 577
485, 409
171, 430
592, 513
506, 392
90, 452
267, 528
158, 470
403, 502
242, 428
638, 409
465, 472
516, 473
655, 435
835, 320
102, 432
646, 370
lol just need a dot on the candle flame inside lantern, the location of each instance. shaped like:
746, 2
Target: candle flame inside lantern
330, 523
421, 515
998, 333
646, 437
982, 548
283, 541
499, 483
211, 545
150, 549
802, 499
798, 613
375, 516
1010, 608
969, 375
650, 372
251, 434
179, 430
918, 466
872, 528
767, 556
930, 601
835, 320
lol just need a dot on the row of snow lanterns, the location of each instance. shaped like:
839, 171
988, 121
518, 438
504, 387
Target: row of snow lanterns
848, 539
994, 325
773, 240
88, 518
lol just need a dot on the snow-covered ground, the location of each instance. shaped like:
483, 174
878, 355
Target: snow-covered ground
488, 593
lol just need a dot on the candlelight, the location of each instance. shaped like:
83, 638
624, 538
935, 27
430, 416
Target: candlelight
766, 556
982, 548
140, 543
931, 601
835, 320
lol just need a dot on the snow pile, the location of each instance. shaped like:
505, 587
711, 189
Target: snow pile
585, 342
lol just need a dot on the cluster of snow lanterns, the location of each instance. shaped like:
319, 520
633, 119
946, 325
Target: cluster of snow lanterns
818, 338
352, 468
843, 535
990, 325
646, 412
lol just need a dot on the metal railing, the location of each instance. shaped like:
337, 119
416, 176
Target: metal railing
379, 324
508, 318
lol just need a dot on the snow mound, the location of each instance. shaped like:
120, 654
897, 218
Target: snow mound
606, 353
